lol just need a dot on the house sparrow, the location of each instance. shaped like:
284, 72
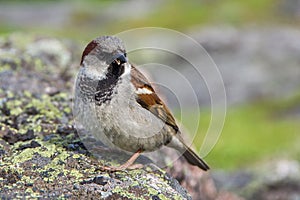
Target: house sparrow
119, 106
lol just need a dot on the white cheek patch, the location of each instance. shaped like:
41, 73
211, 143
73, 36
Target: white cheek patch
127, 69
143, 91
94, 68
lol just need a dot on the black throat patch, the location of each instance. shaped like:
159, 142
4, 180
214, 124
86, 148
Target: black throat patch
107, 86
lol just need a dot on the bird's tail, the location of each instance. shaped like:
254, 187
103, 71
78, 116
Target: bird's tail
178, 143
194, 159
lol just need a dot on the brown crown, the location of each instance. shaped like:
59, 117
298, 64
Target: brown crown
88, 49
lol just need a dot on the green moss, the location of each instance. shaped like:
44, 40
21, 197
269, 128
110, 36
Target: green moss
76, 156
12, 61
15, 107
162, 197
27, 94
60, 96
32, 193
39, 65
76, 173
4, 68
23, 156
125, 193
36, 128
55, 167
10, 94
46, 107
27, 180
46, 150
152, 191
177, 197
62, 197
16, 111
134, 183
27, 58
67, 110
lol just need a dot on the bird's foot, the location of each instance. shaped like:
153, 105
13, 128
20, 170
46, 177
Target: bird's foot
128, 165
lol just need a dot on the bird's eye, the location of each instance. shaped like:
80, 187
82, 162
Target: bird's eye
125, 54
116, 62
120, 59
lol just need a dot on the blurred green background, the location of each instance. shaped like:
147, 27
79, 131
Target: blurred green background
256, 130
82, 19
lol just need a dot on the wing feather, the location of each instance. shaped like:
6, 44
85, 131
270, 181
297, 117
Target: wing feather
149, 100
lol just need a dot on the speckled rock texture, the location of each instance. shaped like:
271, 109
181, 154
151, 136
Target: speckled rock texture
41, 155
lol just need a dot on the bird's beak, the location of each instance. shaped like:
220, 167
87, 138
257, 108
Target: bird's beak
120, 59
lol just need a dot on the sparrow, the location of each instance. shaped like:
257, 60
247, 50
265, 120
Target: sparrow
117, 103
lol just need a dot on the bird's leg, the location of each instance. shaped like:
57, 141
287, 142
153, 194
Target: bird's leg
128, 164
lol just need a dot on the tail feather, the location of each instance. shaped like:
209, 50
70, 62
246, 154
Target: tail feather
178, 144
194, 159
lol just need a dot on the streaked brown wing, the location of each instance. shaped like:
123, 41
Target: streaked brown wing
151, 101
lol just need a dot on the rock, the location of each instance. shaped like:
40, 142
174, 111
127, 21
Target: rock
51, 51
255, 62
289, 9
277, 179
